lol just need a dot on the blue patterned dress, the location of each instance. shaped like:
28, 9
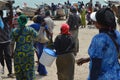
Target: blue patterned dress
102, 47
24, 53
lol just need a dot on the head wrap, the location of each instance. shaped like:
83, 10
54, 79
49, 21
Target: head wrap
65, 29
73, 9
22, 20
38, 19
105, 17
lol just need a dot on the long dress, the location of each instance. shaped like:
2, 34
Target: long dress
24, 53
83, 18
102, 47
39, 46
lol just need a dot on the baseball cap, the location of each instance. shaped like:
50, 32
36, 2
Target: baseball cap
104, 16
93, 16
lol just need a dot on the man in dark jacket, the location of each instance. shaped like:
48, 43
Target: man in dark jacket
5, 39
74, 22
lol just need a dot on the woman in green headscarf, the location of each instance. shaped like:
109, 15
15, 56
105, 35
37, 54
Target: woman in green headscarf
24, 51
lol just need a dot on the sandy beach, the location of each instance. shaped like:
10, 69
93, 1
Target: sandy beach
81, 72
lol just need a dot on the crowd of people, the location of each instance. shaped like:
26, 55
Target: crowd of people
62, 10
58, 11
20, 42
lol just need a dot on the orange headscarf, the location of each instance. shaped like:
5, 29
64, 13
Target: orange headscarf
65, 29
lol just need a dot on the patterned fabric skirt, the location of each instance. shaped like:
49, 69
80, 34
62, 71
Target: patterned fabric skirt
24, 66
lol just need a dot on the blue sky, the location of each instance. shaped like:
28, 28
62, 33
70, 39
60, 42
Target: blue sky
32, 3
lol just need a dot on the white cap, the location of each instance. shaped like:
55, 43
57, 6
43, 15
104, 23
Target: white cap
93, 16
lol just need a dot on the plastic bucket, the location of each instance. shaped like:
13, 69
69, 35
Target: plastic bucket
48, 56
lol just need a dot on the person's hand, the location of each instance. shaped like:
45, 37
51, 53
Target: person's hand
82, 61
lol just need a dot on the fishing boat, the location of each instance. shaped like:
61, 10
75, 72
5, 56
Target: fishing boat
115, 2
3, 5
29, 11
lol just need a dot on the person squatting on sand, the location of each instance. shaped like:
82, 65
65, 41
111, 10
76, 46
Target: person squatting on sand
104, 48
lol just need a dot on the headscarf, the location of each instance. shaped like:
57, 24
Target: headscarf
38, 19
105, 17
22, 20
73, 9
65, 29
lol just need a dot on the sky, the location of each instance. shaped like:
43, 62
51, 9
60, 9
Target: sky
31, 3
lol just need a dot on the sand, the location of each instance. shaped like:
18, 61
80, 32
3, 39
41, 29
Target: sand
81, 72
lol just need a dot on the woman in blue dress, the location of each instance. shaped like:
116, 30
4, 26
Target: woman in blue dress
104, 48
38, 21
24, 51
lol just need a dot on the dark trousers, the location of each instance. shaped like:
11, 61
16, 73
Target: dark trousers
75, 37
2, 60
5, 54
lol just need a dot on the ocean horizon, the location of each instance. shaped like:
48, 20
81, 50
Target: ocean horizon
31, 3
